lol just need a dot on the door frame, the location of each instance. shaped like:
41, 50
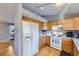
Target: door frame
18, 30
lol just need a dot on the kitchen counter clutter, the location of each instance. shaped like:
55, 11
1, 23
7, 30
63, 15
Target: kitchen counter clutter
44, 35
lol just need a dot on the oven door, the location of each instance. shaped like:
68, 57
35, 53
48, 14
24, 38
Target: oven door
56, 42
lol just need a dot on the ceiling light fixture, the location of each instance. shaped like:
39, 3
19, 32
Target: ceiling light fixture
41, 8
59, 4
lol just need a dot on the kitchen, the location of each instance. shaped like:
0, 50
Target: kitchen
41, 29
56, 37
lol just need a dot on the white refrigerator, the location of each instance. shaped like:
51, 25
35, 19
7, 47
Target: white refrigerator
30, 38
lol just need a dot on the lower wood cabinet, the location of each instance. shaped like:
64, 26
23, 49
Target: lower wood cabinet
67, 45
44, 40
75, 51
48, 40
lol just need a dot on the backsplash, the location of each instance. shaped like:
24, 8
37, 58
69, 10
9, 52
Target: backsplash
75, 33
46, 32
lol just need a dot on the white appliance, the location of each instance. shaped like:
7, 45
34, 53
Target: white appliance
30, 38
56, 39
11, 32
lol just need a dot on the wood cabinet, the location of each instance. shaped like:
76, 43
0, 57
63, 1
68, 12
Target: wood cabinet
68, 24
51, 23
48, 40
67, 45
71, 24
44, 25
76, 23
75, 51
44, 40
60, 22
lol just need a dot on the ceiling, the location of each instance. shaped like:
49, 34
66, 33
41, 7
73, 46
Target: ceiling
73, 9
50, 10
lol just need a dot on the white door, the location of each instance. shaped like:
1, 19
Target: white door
35, 38
27, 37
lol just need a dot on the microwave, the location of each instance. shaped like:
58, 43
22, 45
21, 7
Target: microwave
69, 34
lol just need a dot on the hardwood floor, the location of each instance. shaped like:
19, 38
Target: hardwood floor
6, 49
47, 51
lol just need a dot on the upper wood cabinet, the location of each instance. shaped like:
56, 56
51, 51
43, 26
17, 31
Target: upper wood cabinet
68, 24
60, 22
53, 22
44, 25
76, 23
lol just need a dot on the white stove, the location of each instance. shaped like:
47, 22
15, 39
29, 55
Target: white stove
56, 41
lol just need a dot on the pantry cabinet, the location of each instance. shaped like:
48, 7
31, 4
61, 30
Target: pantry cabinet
67, 45
68, 24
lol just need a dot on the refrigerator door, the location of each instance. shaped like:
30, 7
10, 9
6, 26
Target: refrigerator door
35, 38
27, 39
30, 38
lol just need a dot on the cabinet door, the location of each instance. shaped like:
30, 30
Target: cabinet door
75, 52
67, 45
76, 24
51, 23
48, 40
59, 22
42, 41
68, 24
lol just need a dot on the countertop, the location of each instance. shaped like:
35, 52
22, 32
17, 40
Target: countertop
44, 35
